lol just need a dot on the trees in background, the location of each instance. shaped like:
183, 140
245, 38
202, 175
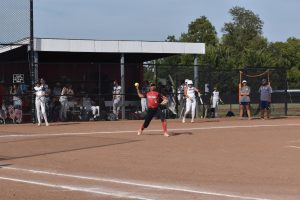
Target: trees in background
242, 44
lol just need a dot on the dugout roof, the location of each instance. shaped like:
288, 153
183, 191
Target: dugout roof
75, 50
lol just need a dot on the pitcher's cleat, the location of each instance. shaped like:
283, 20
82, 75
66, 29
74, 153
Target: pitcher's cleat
166, 135
139, 132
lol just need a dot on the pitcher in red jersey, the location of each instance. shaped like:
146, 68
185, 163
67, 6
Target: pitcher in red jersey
154, 100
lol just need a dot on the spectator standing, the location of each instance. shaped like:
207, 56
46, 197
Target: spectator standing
215, 100
63, 99
47, 92
40, 102
116, 98
265, 91
245, 99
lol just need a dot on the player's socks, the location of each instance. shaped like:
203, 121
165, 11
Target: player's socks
140, 131
164, 125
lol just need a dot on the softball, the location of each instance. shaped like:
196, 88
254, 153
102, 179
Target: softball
136, 84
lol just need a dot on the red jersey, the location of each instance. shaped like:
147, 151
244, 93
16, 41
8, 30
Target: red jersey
153, 98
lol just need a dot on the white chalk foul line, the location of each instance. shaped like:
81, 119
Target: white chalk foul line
152, 186
72, 188
149, 130
295, 147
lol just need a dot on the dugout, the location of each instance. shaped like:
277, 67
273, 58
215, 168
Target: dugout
93, 62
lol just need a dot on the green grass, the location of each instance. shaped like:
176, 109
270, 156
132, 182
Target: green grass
276, 109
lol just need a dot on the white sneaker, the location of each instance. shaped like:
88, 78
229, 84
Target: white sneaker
47, 124
192, 121
183, 120
139, 132
39, 124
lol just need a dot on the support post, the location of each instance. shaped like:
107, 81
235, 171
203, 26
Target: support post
285, 94
196, 71
123, 84
155, 72
99, 84
32, 63
196, 79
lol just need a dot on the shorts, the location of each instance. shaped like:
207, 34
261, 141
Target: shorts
244, 103
264, 105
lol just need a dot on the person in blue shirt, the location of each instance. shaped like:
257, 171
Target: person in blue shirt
265, 91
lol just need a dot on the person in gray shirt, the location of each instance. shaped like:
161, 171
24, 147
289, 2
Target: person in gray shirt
265, 91
245, 99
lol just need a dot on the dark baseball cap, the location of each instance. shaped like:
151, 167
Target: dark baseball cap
152, 84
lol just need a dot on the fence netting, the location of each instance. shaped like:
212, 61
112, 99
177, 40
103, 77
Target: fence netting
14, 21
92, 85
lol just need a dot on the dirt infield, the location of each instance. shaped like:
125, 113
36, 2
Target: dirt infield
209, 160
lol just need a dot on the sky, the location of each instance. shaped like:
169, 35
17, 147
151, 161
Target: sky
154, 20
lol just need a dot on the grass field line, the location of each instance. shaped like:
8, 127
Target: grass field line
130, 183
147, 130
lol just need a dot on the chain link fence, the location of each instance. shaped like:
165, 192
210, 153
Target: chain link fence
92, 84
284, 100
14, 21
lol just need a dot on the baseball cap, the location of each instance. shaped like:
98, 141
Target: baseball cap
190, 82
244, 81
152, 84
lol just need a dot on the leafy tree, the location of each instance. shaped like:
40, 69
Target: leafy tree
287, 55
243, 37
245, 27
200, 30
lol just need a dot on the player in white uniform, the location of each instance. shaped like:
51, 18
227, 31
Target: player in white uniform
116, 98
215, 99
145, 89
40, 92
190, 100
183, 98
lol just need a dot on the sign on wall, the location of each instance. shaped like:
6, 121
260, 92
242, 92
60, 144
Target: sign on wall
18, 78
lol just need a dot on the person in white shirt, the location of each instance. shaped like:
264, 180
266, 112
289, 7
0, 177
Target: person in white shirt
116, 98
145, 89
40, 93
215, 99
182, 100
191, 102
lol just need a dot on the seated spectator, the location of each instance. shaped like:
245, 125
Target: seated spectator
16, 95
15, 111
57, 89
